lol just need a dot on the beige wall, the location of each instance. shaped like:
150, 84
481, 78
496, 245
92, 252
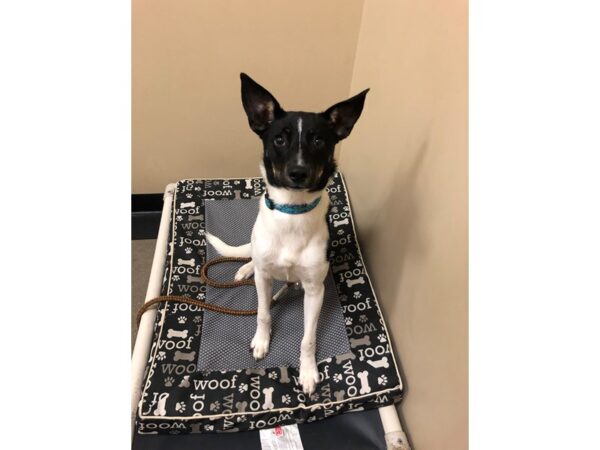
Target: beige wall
188, 119
405, 162
406, 166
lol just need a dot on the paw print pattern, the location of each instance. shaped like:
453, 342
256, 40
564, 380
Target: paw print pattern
343, 298
286, 399
243, 387
382, 380
348, 321
189, 233
215, 406
197, 319
363, 318
358, 264
189, 195
161, 355
381, 337
179, 218
180, 407
357, 294
188, 250
169, 381
182, 319
209, 427
340, 232
241, 419
337, 377
273, 375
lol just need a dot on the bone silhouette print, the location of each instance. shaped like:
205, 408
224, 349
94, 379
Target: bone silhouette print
364, 382
337, 223
185, 382
161, 406
268, 404
241, 406
178, 334
365, 340
193, 279
184, 356
344, 357
339, 395
359, 280
383, 362
186, 262
284, 378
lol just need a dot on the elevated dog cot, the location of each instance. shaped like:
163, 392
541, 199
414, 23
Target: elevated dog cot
194, 377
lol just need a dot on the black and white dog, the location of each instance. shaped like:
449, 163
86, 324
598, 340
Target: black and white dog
290, 236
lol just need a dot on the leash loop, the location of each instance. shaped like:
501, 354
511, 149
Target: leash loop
213, 283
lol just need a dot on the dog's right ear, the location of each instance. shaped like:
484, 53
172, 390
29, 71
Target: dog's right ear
260, 106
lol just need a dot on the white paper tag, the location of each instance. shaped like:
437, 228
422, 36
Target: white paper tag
286, 437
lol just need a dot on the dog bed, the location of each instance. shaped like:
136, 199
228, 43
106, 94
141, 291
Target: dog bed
200, 377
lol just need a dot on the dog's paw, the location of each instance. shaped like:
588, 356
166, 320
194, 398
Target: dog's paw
309, 376
260, 345
244, 272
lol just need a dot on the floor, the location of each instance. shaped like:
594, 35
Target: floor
142, 252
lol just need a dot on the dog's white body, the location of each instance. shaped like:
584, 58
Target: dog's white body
287, 247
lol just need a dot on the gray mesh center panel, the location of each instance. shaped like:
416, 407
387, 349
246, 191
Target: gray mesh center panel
225, 340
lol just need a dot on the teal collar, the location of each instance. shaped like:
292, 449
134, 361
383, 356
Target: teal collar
291, 208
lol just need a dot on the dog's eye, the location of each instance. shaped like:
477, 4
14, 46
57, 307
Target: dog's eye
279, 141
318, 142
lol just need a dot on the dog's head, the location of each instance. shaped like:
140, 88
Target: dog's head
298, 146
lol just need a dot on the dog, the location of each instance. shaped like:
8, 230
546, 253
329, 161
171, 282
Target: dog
290, 236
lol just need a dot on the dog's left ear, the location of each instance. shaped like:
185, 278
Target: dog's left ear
342, 116
260, 105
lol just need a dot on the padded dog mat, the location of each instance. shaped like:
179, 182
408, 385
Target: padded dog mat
200, 376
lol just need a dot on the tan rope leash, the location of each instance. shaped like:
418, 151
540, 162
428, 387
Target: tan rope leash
210, 282
223, 284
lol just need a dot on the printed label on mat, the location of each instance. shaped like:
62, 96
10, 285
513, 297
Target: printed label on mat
281, 438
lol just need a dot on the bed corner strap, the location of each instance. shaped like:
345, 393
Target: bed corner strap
210, 282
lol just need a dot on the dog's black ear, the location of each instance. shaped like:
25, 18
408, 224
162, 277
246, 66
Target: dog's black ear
260, 106
342, 116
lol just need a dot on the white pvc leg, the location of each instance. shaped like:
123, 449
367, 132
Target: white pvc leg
144, 334
395, 438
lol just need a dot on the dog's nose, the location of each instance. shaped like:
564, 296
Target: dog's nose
298, 174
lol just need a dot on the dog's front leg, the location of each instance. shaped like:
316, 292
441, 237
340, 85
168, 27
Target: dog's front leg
264, 290
313, 300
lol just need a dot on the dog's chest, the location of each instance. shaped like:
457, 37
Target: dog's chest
292, 253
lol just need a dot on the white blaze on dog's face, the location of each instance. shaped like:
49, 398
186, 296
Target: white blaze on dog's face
298, 146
